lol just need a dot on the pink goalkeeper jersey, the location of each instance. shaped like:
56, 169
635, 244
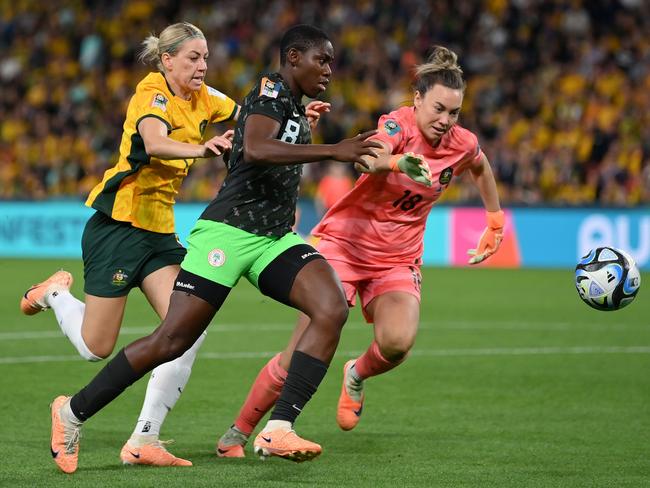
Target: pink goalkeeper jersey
381, 220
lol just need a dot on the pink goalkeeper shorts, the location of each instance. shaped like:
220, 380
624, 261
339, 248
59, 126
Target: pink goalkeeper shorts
369, 280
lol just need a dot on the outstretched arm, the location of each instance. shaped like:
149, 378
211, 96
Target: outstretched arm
486, 184
262, 147
412, 165
493, 234
156, 143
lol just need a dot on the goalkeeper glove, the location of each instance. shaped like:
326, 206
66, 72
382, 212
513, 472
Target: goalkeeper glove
490, 239
412, 165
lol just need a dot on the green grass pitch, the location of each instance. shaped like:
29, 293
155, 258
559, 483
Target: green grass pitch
513, 382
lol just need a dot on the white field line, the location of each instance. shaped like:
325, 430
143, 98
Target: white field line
54, 333
494, 351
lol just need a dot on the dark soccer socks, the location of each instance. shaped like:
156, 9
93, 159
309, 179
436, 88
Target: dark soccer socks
304, 376
109, 383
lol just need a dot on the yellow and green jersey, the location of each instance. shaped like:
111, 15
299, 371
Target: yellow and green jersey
141, 189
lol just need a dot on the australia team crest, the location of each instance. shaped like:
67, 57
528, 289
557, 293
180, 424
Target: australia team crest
119, 277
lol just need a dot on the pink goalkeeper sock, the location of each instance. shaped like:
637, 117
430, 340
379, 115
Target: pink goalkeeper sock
262, 395
372, 363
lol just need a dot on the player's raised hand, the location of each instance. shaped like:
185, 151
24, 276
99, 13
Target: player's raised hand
412, 165
313, 111
491, 238
219, 144
353, 149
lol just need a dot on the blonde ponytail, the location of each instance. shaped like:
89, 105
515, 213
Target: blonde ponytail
170, 41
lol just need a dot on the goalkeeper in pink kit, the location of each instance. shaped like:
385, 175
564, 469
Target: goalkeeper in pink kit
373, 237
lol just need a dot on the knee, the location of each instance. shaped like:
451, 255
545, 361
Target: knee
168, 348
96, 351
333, 310
395, 350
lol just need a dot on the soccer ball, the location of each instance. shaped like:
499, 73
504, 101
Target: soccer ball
607, 278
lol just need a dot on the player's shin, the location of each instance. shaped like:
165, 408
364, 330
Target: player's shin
107, 385
278, 438
304, 375
373, 363
69, 312
262, 396
165, 386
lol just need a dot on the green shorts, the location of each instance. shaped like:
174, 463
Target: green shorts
222, 254
118, 256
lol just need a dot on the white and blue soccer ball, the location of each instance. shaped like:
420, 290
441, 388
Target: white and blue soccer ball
607, 278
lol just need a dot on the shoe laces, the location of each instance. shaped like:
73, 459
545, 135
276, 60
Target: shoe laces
161, 444
71, 436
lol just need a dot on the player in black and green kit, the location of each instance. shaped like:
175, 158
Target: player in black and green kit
246, 231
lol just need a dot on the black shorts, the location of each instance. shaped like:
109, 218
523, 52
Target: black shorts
118, 256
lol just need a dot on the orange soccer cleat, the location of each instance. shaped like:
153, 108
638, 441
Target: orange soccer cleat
152, 453
285, 444
233, 451
33, 301
64, 443
231, 444
348, 412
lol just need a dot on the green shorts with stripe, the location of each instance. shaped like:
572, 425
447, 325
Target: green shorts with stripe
118, 257
223, 254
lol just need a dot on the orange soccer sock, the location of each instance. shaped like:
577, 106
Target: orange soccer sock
373, 363
262, 395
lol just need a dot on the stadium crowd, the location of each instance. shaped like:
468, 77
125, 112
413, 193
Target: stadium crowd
558, 90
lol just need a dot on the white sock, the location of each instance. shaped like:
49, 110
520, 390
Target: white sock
70, 315
69, 416
277, 425
165, 386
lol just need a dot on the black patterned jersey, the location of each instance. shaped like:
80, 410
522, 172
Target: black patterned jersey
261, 199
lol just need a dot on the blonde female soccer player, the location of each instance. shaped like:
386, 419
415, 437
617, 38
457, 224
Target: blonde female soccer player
130, 241
373, 238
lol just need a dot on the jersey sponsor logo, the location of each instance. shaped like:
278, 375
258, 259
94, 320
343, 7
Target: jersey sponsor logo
391, 127
445, 175
309, 254
180, 284
119, 278
215, 93
216, 258
269, 88
159, 101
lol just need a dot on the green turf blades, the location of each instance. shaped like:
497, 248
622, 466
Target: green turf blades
512, 382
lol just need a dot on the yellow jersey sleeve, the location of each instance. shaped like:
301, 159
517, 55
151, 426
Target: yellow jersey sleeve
221, 106
152, 102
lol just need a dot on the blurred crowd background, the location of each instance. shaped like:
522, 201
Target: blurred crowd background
558, 92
